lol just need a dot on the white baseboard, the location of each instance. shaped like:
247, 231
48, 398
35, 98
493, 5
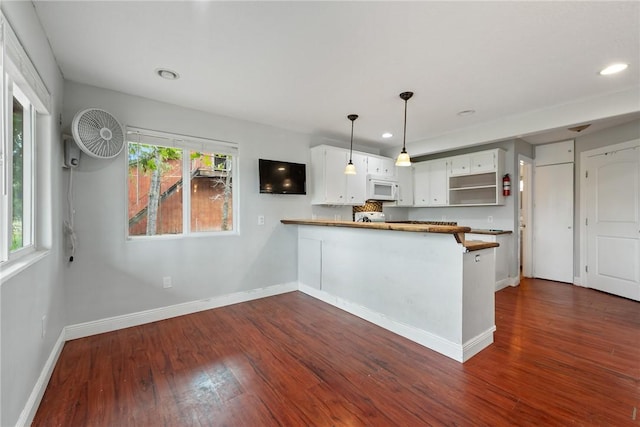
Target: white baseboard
509, 281
140, 318
30, 408
478, 343
434, 342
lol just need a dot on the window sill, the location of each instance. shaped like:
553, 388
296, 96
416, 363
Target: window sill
199, 235
11, 268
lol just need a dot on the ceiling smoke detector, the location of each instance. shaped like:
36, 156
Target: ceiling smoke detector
579, 128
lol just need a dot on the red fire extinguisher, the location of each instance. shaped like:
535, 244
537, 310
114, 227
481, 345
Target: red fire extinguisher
506, 185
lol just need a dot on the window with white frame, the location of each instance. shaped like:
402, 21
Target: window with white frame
24, 98
180, 185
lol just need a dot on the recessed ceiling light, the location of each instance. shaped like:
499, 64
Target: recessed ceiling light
613, 68
466, 112
387, 135
167, 74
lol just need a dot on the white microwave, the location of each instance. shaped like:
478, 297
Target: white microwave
381, 188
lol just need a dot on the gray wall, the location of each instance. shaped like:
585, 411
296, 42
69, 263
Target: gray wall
114, 276
615, 135
37, 291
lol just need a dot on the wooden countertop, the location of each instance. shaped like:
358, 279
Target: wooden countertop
457, 231
418, 228
476, 245
489, 232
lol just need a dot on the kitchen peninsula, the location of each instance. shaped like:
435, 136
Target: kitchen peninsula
424, 282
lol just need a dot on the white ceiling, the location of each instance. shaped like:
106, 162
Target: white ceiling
525, 67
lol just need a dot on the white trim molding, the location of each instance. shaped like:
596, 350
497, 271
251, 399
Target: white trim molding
458, 352
86, 329
30, 408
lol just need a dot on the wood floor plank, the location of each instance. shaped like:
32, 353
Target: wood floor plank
562, 355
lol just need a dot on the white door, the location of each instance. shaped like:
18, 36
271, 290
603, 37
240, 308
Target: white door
553, 222
613, 222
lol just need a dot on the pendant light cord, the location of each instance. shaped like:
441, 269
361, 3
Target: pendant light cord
404, 133
351, 146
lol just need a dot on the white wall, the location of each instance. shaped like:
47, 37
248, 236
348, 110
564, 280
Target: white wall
112, 276
37, 291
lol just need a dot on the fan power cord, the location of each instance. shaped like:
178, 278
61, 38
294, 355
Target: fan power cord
68, 225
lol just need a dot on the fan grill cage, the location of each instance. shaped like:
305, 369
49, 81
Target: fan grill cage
98, 133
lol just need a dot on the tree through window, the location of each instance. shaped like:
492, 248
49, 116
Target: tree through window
158, 175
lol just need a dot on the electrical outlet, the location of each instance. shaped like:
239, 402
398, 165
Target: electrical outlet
490, 219
44, 325
166, 282
260, 219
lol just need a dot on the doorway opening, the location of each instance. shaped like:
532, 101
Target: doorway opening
525, 216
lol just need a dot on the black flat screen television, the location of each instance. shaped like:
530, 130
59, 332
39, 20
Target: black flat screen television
277, 177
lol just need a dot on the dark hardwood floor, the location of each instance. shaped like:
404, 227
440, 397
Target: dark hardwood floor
562, 355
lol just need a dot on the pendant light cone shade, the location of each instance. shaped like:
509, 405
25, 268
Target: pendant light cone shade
351, 168
403, 158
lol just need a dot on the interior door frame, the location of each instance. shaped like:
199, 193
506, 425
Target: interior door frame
583, 200
527, 262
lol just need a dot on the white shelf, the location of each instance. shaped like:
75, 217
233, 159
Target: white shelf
472, 187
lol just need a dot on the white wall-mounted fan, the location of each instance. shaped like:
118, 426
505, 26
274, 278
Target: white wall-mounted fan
98, 133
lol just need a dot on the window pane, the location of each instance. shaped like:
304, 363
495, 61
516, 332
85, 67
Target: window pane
211, 192
155, 190
18, 171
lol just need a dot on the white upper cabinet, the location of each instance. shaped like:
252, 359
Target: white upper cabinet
482, 184
329, 183
430, 183
554, 154
357, 184
335, 181
484, 161
459, 165
438, 182
405, 186
473, 179
384, 166
421, 184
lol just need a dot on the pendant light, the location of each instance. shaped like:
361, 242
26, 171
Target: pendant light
403, 158
351, 169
